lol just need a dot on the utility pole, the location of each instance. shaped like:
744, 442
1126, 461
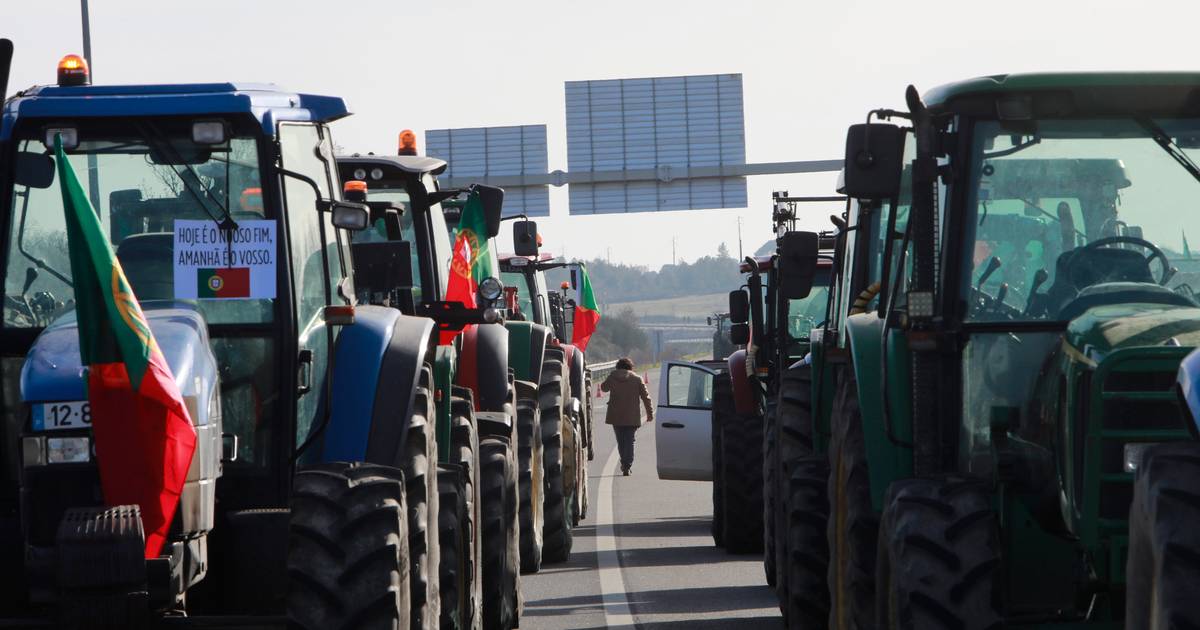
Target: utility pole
739, 222
673, 241
92, 166
87, 36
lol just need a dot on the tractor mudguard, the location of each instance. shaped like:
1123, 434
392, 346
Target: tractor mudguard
483, 366
527, 344
376, 370
576, 366
889, 457
743, 394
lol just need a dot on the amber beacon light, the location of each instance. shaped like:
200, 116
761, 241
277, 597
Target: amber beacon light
73, 70
408, 143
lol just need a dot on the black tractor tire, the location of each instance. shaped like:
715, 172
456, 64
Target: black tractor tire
459, 518
532, 484
455, 539
588, 409
939, 555
771, 496
741, 472
348, 564
853, 530
806, 563
1163, 572
421, 492
558, 462
794, 433
722, 409
500, 522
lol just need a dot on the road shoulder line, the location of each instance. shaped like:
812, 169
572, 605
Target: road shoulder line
614, 595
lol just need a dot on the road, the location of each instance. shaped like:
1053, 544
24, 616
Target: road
644, 557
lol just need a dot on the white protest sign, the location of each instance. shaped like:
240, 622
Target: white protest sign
209, 266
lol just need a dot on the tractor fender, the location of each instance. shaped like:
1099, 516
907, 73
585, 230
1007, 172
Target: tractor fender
888, 460
743, 393
483, 365
527, 343
576, 364
377, 367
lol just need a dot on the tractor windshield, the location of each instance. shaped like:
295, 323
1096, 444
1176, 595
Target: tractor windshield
1066, 214
150, 184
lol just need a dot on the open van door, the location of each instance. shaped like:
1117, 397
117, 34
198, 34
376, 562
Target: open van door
683, 435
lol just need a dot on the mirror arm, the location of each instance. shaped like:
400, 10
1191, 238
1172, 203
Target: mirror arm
322, 203
515, 216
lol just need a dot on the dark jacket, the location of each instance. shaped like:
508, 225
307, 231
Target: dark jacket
625, 387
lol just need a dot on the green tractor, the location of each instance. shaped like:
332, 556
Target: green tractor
540, 321
1035, 305
772, 320
402, 262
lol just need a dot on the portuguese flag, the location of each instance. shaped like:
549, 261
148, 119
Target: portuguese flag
587, 313
144, 439
229, 282
470, 263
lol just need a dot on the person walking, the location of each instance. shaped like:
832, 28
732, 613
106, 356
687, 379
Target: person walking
625, 387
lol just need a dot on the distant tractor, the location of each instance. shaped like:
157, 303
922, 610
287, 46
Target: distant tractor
1018, 365
402, 260
311, 499
721, 343
540, 321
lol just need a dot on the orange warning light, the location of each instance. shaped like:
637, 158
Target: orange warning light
73, 70
355, 190
408, 143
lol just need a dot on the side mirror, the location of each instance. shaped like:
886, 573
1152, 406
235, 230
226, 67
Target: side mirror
492, 198
739, 307
874, 161
33, 170
349, 215
525, 238
797, 264
739, 334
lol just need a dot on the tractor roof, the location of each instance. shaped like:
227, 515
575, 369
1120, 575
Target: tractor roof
267, 103
824, 261
414, 164
1102, 91
543, 257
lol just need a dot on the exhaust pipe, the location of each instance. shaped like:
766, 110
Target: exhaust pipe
6, 53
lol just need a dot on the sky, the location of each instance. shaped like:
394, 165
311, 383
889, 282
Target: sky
809, 70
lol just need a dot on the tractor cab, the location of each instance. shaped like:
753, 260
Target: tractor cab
221, 203
1037, 299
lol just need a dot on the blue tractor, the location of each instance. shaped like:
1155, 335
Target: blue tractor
312, 495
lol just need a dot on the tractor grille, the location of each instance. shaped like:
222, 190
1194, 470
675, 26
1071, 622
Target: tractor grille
1137, 404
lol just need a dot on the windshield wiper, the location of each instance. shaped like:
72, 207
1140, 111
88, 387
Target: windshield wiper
1163, 140
190, 178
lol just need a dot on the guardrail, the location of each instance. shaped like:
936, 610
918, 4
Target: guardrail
600, 371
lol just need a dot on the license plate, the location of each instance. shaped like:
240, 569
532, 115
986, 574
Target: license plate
62, 415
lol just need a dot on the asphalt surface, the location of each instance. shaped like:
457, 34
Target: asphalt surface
644, 556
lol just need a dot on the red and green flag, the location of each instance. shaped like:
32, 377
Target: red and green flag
470, 263
143, 436
587, 313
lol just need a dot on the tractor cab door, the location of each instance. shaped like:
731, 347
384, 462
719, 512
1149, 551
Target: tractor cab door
683, 419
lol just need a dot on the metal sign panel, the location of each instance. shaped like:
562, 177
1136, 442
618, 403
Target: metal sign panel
488, 152
669, 124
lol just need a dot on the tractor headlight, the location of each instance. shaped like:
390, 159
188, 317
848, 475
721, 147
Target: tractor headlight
68, 450
208, 132
490, 289
1133, 455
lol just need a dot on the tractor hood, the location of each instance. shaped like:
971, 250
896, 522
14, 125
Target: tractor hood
53, 371
1102, 329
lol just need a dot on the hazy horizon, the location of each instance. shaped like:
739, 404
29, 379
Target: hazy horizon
808, 72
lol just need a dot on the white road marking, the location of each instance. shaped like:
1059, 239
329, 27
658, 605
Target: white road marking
614, 595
